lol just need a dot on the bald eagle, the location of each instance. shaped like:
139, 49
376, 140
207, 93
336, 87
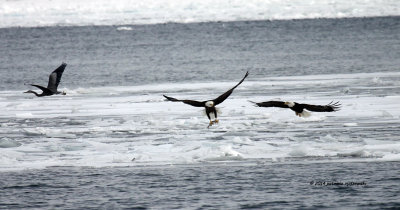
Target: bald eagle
299, 108
209, 105
54, 81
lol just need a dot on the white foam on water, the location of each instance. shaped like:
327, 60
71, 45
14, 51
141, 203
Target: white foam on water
124, 28
92, 127
26, 13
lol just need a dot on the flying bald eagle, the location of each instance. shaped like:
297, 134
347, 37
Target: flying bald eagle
210, 104
299, 108
54, 81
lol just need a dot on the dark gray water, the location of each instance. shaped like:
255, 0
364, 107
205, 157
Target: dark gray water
147, 54
219, 186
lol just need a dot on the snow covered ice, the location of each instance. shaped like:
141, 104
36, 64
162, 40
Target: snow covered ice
27, 13
124, 126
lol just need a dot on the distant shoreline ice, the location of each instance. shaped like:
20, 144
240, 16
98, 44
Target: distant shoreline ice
25, 13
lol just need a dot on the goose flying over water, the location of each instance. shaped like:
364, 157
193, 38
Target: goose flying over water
210, 104
299, 108
54, 80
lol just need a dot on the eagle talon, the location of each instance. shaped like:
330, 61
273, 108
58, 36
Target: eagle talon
216, 121
210, 104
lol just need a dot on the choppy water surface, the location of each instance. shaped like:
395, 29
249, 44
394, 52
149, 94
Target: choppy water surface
198, 52
257, 185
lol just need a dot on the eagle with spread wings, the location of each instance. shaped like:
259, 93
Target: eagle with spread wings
209, 105
54, 81
299, 109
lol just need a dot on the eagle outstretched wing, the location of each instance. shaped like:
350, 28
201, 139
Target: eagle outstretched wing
280, 104
55, 78
224, 96
190, 102
45, 90
331, 107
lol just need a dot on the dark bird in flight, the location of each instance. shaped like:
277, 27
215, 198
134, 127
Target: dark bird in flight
299, 109
209, 105
54, 80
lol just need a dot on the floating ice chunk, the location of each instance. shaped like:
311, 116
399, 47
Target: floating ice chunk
24, 115
388, 147
7, 143
328, 138
391, 157
386, 114
346, 90
376, 80
300, 151
314, 118
242, 141
34, 131
226, 153
124, 28
350, 124
358, 153
61, 135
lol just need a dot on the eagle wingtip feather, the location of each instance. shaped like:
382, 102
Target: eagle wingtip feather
254, 103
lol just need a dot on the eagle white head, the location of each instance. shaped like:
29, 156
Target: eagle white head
210, 103
289, 103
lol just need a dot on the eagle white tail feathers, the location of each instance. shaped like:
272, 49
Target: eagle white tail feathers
304, 114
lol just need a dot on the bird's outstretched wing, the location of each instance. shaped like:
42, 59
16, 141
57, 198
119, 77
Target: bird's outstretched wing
55, 78
45, 90
224, 96
331, 107
190, 102
280, 104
